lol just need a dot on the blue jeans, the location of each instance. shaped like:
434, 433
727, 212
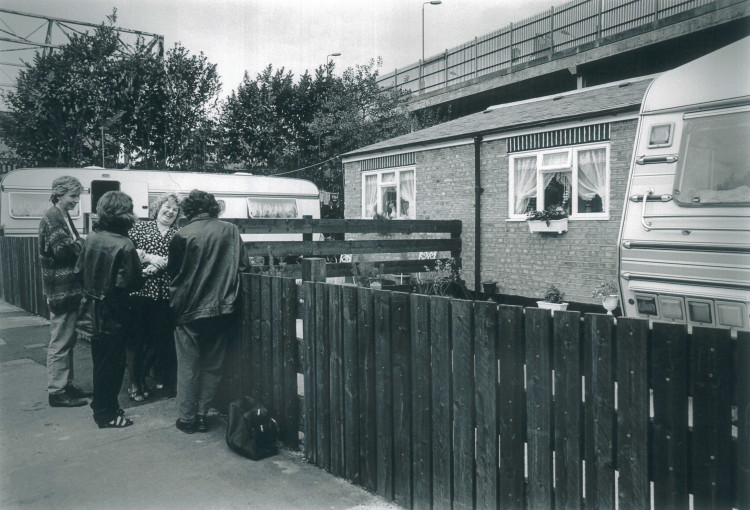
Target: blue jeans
201, 346
63, 338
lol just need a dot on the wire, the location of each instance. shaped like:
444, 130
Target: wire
305, 168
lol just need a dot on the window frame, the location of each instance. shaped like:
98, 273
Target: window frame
378, 205
13, 195
573, 151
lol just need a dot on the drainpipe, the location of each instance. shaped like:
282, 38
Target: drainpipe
478, 190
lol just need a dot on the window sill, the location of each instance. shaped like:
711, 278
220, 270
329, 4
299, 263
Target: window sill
570, 218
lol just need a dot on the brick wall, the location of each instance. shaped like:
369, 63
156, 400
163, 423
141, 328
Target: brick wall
524, 263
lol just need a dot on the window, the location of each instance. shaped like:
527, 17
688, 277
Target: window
575, 179
390, 193
33, 205
272, 207
714, 161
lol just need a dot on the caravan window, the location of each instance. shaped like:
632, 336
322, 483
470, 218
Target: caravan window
27, 204
714, 161
272, 207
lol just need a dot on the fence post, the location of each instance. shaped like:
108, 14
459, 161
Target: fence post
313, 269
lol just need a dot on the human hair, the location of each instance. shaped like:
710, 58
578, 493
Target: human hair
115, 212
64, 184
199, 202
155, 206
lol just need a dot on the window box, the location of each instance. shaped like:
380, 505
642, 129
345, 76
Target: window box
558, 226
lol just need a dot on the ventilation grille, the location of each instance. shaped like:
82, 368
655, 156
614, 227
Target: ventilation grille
559, 138
388, 161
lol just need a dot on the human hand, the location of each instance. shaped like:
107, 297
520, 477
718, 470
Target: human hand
160, 263
149, 270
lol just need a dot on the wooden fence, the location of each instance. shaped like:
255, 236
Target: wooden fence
21, 274
437, 402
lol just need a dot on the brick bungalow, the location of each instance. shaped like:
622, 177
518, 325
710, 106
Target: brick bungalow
570, 150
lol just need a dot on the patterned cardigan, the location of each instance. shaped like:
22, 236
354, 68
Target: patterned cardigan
58, 253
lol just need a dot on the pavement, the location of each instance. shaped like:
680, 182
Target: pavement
58, 458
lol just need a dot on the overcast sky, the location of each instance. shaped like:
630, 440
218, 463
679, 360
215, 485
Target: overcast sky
247, 35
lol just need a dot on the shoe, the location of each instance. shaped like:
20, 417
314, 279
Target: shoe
65, 400
187, 428
75, 391
119, 422
201, 423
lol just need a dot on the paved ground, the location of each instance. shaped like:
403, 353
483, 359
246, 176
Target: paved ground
54, 458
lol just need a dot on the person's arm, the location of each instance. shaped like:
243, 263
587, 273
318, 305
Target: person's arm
130, 273
176, 254
244, 266
62, 246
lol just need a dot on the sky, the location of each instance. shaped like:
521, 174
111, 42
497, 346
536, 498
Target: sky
246, 35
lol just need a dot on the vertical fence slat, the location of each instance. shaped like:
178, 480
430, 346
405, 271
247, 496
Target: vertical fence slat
337, 378
277, 353
266, 335
710, 357
511, 407
669, 355
421, 401
351, 394
308, 318
366, 388
401, 356
384, 393
539, 406
599, 373
322, 378
485, 350
290, 355
462, 329
743, 419
567, 416
442, 420
255, 371
632, 413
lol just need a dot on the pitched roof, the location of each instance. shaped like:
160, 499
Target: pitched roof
612, 98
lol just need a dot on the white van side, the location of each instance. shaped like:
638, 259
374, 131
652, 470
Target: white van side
26, 192
684, 246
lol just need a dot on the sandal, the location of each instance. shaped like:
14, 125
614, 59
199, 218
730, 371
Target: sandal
120, 422
138, 396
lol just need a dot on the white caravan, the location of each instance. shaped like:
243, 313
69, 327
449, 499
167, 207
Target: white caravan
684, 247
26, 192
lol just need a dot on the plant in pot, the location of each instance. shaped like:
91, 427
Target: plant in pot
489, 287
554, 219
609, 294
553, 300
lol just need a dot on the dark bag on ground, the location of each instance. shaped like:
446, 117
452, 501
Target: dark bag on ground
251, 432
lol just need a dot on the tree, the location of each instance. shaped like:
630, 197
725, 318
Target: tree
165, 108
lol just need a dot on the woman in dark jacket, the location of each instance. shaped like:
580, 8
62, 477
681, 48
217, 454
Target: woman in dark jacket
110, 270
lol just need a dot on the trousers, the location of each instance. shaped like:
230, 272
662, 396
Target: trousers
201, 346
108, 357
60, 350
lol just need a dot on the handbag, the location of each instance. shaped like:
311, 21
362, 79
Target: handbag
251, 431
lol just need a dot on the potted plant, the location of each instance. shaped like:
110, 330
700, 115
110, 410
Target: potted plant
553, 300
554, 219
489, 287
609, 294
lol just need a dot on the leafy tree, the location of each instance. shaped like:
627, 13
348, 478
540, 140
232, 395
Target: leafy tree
157, 112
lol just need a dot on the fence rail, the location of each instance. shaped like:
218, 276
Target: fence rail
431, 401
555, 33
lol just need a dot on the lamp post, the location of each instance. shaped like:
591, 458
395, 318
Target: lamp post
328, 62
421, 65
106, 125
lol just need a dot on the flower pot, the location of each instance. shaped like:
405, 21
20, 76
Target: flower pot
490, 288
558, 226
610, 302
552, 307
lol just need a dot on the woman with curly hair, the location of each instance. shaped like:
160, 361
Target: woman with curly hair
151, 344
110, 270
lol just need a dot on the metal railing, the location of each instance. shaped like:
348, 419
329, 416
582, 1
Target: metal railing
546, 36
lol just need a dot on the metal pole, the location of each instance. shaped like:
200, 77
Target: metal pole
103, 147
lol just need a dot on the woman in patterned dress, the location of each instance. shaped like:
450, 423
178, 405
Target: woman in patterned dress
151, 345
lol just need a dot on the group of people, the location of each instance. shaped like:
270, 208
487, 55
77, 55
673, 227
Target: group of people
149, 296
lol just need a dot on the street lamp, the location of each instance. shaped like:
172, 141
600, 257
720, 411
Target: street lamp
331, 55
106, 125
421, 66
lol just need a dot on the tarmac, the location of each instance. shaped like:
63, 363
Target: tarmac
57, 458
